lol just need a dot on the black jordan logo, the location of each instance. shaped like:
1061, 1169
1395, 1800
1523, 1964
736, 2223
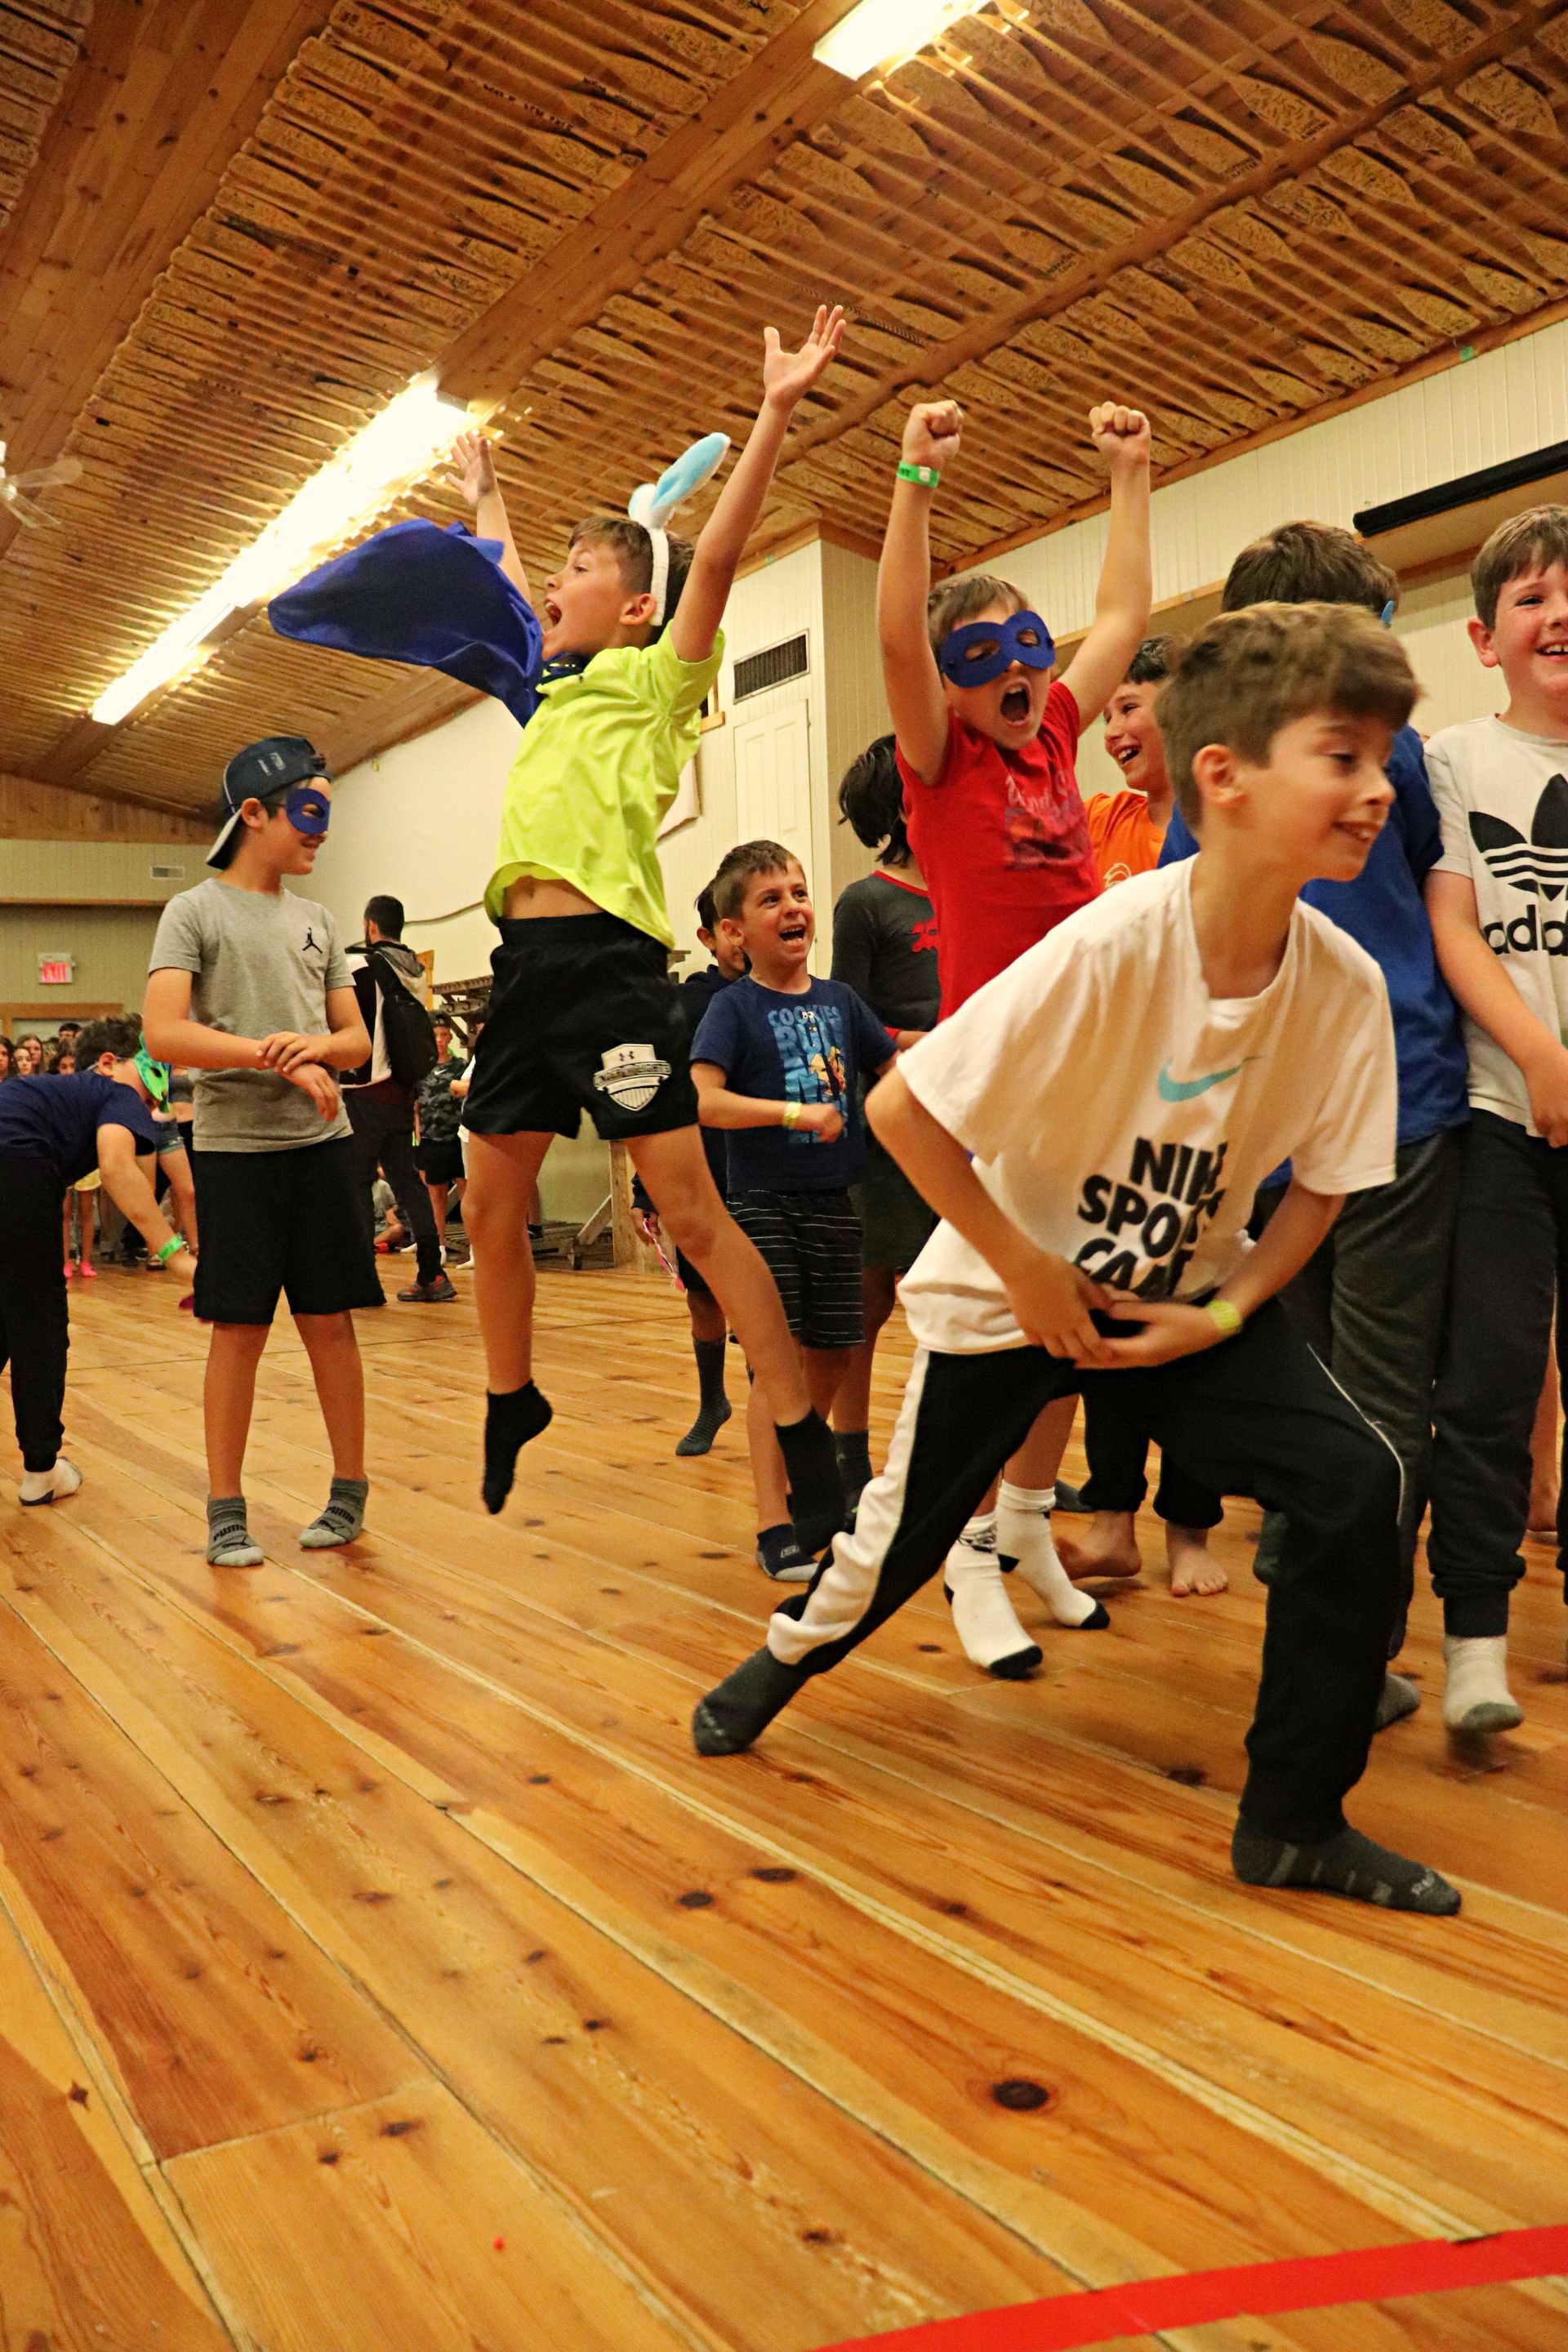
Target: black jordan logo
310, 936
1538, 867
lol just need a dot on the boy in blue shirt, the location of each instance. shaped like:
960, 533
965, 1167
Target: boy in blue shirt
53, 1132
1370, 1300
776, 1061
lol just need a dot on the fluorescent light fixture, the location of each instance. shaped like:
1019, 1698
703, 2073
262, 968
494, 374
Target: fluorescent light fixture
882, 29
391, 452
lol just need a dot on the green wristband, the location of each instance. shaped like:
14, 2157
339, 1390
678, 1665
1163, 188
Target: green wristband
171, 1248
791, 1115
1228, 1317
926, 476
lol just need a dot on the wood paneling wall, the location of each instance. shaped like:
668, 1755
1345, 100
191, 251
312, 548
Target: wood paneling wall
33, 812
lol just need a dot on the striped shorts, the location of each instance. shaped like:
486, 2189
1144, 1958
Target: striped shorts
810, 1243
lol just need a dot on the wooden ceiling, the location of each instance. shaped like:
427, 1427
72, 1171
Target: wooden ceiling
230, 229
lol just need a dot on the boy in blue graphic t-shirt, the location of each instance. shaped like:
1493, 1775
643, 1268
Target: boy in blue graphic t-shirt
777, 1060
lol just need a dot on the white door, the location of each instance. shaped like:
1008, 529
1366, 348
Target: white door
773, 775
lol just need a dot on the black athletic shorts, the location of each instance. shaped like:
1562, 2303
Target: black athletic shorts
282, 1221
583, 1017
440, 1162
811, 1243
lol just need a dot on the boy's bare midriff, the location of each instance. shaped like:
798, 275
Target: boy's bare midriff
538, 894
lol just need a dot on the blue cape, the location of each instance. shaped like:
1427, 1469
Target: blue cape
437, 599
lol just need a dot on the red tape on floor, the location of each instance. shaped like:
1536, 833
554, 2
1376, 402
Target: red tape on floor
1377, 2275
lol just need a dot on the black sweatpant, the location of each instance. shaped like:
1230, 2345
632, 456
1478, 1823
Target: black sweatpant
382, 1118
34, 1332
1509, 1253
1118, 1481
1256, 1415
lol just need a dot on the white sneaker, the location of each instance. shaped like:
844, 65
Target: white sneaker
50, 1485
983, 1615
1476, 1696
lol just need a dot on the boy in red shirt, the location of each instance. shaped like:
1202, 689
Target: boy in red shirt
987, 738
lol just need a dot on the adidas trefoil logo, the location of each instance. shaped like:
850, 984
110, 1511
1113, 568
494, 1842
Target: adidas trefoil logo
1538, 867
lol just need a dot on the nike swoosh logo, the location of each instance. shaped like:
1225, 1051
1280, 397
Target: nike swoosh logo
1179, 1091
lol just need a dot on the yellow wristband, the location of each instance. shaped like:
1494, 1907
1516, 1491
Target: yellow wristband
1225, 1315
791, 1115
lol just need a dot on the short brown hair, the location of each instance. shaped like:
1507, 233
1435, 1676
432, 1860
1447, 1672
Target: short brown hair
1309, 563
116, 1034
634, 553
1249, 674
1526, 542
952, 602
741, 868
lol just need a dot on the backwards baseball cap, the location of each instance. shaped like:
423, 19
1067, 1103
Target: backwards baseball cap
279, 766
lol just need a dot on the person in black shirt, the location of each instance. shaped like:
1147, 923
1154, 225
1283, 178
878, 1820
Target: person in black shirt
53, 1132
884, 947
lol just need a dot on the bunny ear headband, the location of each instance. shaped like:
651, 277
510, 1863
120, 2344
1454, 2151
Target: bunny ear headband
655, 502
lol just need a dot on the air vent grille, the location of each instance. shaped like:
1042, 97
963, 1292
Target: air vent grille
775, 666
168, 873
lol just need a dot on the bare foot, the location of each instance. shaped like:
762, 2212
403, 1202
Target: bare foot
1543, 1521
1109, 1548
1193, 1568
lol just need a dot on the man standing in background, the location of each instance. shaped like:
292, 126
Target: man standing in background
380, 1096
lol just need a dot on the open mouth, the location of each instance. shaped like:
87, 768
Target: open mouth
1016, 705
1125, 756
794, 936
552, 613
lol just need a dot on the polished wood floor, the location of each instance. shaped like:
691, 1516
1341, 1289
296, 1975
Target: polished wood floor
379, 1968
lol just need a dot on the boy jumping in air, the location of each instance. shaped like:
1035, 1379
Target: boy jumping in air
1091, 1128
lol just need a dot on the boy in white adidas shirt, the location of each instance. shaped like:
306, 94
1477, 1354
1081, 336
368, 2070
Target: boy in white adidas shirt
1091, 1128
1498, 897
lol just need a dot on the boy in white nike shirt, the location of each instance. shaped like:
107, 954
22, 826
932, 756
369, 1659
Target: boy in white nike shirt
1498, 897
1091, 1128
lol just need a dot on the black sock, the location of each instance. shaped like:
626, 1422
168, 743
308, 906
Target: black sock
852, 1447
713, 1405
778, 1554
817, 1488
510, 1421
1347, 1863
742, 1705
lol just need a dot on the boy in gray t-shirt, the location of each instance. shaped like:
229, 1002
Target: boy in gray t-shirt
249, 986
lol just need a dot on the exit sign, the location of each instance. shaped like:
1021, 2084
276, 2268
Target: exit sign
57, 971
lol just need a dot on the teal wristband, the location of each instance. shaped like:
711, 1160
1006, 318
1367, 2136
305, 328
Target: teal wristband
926, 476
1228, 1317
171, 1248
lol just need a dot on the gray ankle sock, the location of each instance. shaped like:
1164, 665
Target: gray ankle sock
1400, 1698
743, 1705
1348, 1864
343, 1518
228, 1534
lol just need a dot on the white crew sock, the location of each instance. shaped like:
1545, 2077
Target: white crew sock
982, 1614
1476, 1696
1023, 1539
50, 1485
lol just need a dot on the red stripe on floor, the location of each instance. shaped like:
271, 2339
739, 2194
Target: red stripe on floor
1376, 2275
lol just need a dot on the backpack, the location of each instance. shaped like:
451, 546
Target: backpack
407, 1030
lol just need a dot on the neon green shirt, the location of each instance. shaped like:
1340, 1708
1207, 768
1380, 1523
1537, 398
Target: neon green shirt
598, 766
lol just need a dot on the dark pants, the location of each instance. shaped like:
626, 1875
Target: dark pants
1256, 1415
1511, 1251
35, 1333
1369, 1302
382, 1118
1118, 1455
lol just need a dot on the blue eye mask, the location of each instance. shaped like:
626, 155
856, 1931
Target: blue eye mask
982, 650
308, 809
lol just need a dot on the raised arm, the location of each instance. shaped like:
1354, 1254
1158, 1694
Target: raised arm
473, 457
910, 673
1126, 580
787, 377
1484, 989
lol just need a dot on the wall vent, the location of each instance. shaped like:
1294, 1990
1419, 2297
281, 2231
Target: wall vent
168, 873
775, 666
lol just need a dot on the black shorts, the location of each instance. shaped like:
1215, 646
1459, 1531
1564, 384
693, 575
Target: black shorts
440, 1162
811, 1243
583, 1017
895, 1222
692, 1276
282, 1221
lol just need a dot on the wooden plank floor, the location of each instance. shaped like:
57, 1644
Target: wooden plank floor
380, 1967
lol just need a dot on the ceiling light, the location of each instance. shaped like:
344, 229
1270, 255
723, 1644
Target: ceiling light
880, 31
390, 453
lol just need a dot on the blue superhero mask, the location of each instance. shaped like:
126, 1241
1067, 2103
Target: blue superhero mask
982, 650
154, 1076
308, 809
